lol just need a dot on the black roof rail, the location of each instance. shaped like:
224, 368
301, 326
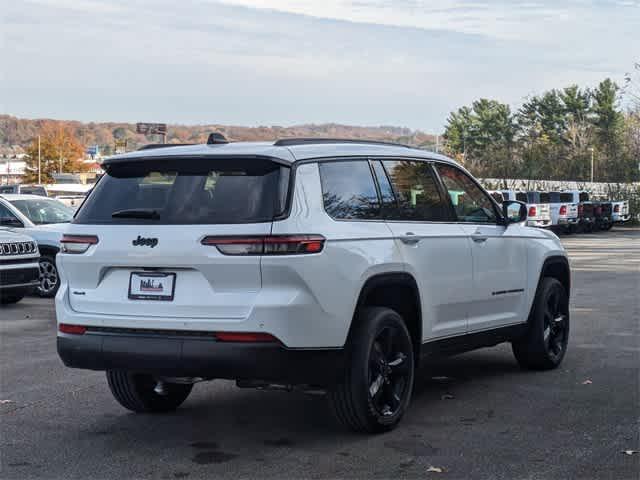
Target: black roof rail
216, 138
151, 146
290, 142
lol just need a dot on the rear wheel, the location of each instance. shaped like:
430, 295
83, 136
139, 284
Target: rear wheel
12, 296
140, 392
378, 382
545, 343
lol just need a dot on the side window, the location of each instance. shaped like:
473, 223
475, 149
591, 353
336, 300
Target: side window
348, 190
522, 197
469, 201
7, 217
417, 192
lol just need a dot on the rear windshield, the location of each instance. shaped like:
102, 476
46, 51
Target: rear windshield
521, 197
559, 197
188, 191
34, 191
584, 197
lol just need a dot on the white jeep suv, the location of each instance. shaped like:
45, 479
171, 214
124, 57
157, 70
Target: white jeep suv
313, 264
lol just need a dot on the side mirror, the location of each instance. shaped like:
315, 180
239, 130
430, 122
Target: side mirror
10, 222
514, 211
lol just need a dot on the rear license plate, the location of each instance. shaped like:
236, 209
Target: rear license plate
152, 286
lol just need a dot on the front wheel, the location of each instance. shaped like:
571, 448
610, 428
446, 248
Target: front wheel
545, 343
140, 392
49, 278
376, 390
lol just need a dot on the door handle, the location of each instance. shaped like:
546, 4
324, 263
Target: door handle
409, 238
478, 237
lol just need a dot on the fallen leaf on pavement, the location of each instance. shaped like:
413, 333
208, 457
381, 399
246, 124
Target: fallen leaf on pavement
447, 396
630, 452
435, 469
587, 382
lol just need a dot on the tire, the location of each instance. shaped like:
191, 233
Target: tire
136, 392
545, 343
12, 296
49, 277
380, 358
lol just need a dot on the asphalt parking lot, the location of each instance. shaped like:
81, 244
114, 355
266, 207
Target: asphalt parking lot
473, 416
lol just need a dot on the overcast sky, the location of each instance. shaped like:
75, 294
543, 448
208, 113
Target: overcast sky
283, 62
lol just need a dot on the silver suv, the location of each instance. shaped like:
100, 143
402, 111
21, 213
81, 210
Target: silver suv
330, 265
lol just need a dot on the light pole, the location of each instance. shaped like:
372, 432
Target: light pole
592, 150
39, 164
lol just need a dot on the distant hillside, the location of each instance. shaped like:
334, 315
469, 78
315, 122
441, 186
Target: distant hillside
20, 132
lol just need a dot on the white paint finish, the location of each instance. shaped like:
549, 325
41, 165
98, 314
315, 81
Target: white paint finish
441, 263
499, 265
306, 301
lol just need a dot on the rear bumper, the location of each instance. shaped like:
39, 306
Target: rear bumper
617, 218
200, 356
538, 223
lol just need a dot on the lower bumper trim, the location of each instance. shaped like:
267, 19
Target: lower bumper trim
201, 357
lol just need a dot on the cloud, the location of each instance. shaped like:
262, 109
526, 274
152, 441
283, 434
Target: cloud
406, 62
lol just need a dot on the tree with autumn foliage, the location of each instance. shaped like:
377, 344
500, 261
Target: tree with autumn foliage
60, 151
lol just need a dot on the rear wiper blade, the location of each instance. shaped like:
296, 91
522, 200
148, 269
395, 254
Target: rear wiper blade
149, 213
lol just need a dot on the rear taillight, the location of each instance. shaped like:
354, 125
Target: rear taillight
72, 329
243, 337
77, 243
532, 212
267, 245
563, 210
616, 208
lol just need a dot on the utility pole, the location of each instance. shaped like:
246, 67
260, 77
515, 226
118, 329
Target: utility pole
39, 163
592, 151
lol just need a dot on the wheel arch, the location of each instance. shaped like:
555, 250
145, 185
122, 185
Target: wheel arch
398, 291
49, 250
556, 267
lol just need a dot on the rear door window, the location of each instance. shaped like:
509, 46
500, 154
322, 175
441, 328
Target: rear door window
419, 198
522, 197
348, 190
188, 191
544, 197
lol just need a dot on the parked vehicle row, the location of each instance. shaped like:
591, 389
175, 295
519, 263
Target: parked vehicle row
43, 220
567, 211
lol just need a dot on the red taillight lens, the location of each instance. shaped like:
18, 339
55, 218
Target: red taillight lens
77, 243
563, 210
242, 337
72, 329
267, 245
532, 212
616, 208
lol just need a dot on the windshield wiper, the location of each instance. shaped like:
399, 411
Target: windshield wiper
149, 213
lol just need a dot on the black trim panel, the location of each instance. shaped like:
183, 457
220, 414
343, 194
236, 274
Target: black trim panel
173, 356
504, 292
471, 341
